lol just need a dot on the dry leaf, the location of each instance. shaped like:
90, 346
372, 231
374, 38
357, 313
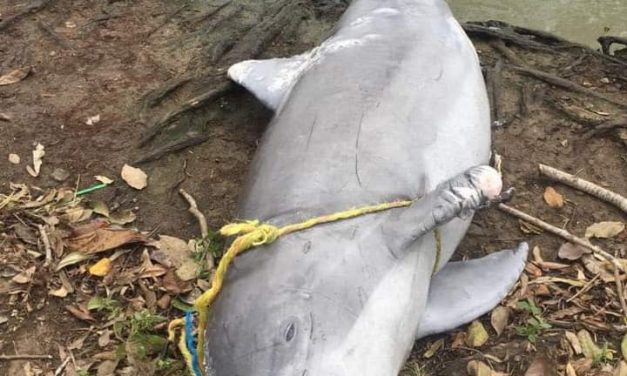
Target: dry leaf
104, 239
14, 158
189, 270
4, 117
38, 155
541, 366
582, 366
134, 177
104, 338
553, 198
588, 346
173, 284
101, 268
80, 313
605, 229
570, 251
433, 348
574, 342
14, 76
25, 277
104, 180
59, 293
122, 217
71, 259
499, 319
107, 368
623, 347
99, 207
476, 335
478, 368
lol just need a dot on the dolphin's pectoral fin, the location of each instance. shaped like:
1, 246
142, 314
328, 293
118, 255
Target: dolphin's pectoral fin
269, 80
463, 291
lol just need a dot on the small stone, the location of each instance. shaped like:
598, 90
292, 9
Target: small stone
3, 319
605, 80
14, 158
586, 84
60, 174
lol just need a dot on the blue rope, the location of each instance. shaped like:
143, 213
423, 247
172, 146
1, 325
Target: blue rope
191, 343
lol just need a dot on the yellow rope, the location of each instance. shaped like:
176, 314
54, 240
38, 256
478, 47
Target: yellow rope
182, 345
251, 234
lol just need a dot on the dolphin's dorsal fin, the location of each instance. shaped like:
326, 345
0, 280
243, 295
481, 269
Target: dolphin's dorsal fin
269, 80
463, 291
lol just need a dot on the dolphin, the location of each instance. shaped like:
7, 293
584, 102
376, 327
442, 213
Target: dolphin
392, 106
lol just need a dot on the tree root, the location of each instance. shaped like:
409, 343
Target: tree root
172, 147
187, 106
607, 41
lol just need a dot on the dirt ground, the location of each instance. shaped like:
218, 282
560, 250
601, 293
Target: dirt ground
107, 59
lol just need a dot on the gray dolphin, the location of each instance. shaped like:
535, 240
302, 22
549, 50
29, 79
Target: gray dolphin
392, 106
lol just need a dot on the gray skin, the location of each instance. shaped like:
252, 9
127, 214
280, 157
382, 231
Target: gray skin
390, 107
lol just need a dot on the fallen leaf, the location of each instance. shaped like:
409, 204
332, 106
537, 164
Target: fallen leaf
5, 117
189, 270
104, 338
433, 348
541, 366
104, 239
107, 368
553, 198
582, 366
623, 347
14, 158
71, 259
122, 217
134, 177
25, 277
476, 335
80, 313
38, 155
99, 207
60, 174
570, 370
104, 179
173, 284
478, 368
14, 76
499, 319
596, 267
574, 342
570, 251
101, 268
59, 293
605, 229
76, 214
93, 120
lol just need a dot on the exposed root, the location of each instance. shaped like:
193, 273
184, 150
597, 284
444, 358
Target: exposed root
172, 147
189, 105
25, 357
202, 222
47, 248
584, 186
607, 41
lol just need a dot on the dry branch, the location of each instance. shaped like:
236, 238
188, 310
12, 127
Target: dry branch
24, 357
585, 186
202, 221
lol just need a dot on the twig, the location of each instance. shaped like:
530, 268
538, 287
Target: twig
202, 221
46, 241
585, 186
585, 288
562, 233
576, 240
24, 357
172, 147
193, 208
60, 369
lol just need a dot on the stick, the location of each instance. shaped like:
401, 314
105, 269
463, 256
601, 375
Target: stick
46, 241
24, 357
576, 240
202, 221
585, 186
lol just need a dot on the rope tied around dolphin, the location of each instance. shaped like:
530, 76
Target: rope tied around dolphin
249, 234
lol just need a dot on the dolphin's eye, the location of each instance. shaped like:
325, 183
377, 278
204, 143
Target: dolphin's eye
290, 331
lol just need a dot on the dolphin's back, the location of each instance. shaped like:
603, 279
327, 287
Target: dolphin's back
390, 106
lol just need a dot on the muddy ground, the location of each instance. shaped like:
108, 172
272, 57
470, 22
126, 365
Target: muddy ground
113, 59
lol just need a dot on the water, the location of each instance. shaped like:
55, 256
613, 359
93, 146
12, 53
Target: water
577, 20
